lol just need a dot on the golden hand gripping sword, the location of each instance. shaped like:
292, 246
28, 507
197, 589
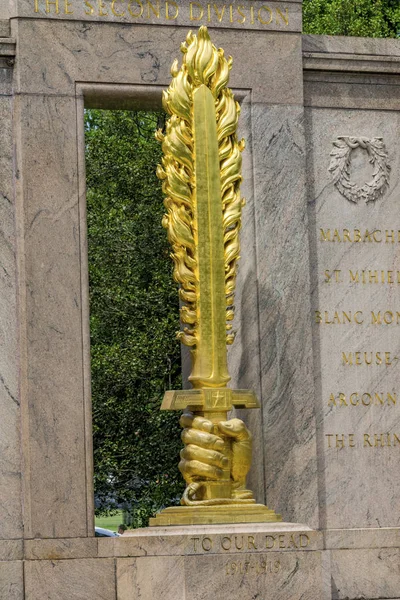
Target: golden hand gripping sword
201, 173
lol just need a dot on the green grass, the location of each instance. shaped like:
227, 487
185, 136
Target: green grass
110, 522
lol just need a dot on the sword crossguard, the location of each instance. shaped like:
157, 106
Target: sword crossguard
209, 400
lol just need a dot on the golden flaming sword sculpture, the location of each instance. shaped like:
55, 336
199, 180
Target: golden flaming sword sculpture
201, 173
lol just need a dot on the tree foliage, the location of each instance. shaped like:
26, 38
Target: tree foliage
368, 18
134, 316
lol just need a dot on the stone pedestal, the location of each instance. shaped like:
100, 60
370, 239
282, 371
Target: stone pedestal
269, 561
281, 561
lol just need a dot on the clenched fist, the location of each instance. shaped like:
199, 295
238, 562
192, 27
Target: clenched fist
203, 456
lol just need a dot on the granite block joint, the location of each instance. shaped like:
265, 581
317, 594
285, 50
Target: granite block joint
7, 47
351, 63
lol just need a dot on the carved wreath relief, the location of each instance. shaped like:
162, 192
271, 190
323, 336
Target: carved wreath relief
340, 168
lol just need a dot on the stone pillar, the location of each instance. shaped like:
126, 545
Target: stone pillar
352, 125
11, 527
273, 350
58, 491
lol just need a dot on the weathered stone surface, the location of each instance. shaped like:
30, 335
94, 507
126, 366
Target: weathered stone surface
285, 336
372, 574
273, 577
244, 356
10, 451
60, 548
153, 577
292, 575
7, 53
366, 48
11, 550
257, 15
11, 580
5, 81
358, 474
54, 438
341, 90
66, 579
210, 540
5, 14
276, 560
385, 537
58, 54
356, 73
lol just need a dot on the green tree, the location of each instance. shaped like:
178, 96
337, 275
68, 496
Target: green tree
368, 18
133, 316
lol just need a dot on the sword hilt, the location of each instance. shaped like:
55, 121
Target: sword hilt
223, 487
213, 404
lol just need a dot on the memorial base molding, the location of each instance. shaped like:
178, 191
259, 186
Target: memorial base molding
276, 561
272, 561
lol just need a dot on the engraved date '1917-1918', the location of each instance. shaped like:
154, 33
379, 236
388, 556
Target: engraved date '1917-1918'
260, 566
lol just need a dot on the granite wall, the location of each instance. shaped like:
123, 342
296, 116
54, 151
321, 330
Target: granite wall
351, 89
11, 482
354, 250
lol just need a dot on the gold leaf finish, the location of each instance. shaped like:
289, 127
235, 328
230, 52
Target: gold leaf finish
203, 65
201, 174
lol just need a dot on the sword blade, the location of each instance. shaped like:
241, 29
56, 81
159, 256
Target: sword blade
210, 362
